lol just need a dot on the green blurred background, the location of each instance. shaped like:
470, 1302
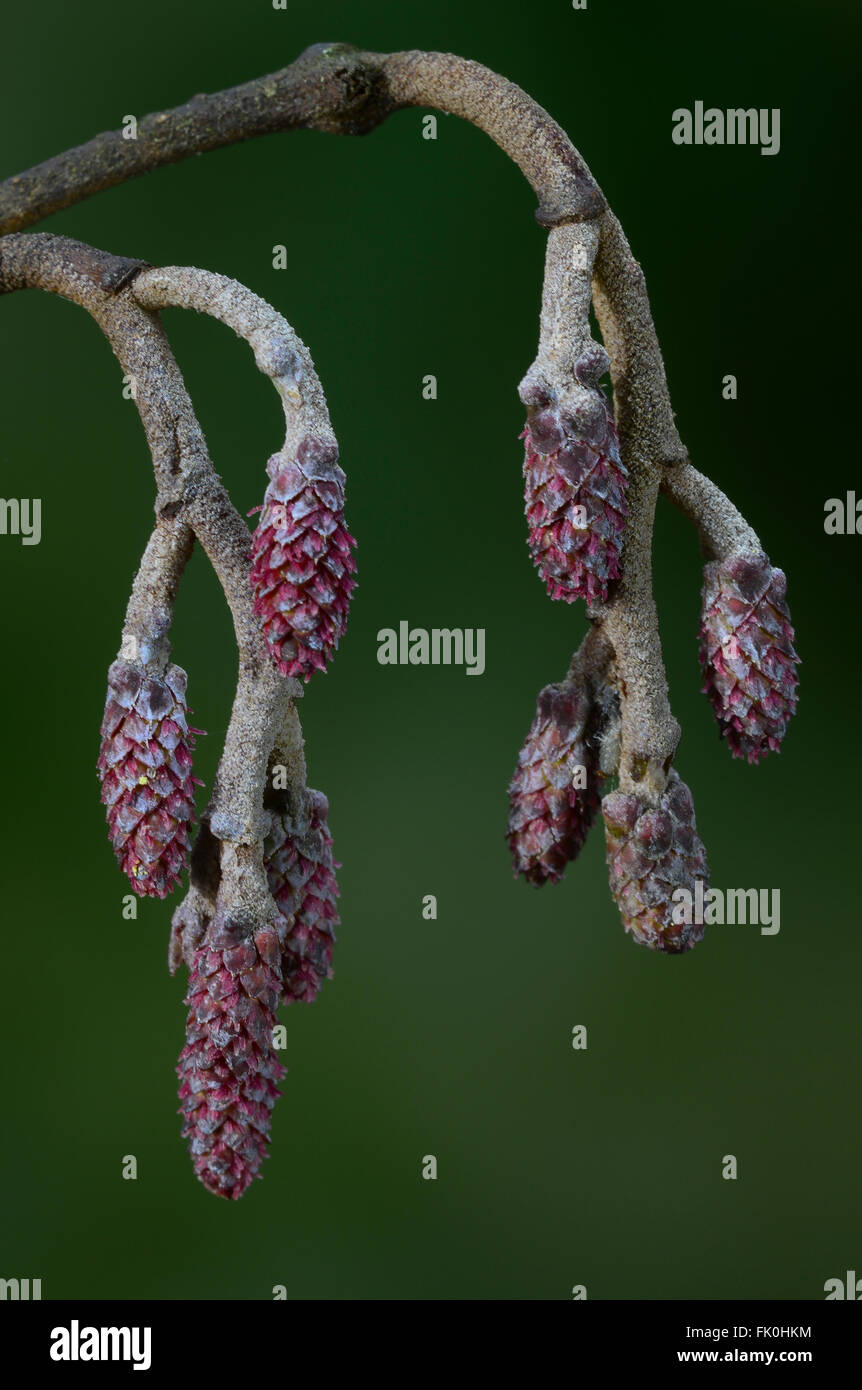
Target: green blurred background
452, 1037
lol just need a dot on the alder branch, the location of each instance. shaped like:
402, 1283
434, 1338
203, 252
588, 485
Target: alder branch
334, 88
612, 710
150, 609
339, 89
191, 499
723, 529
279, 353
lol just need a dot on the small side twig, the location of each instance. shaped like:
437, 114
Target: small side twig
722, 528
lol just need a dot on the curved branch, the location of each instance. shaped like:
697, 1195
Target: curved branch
340, 89
331, 87
644, 414
150, 609
282, 356
522, 128
723, 530
336, 88
651, 448
570, 363
263, 714
564, 330
649, 734
278, 352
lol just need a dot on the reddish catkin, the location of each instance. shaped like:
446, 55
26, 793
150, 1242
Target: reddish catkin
575, 486
145, 765
651, 852
549, 815
303, 563
228, 1069
301, 873
747, 655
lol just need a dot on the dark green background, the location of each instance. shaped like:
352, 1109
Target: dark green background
452, 1037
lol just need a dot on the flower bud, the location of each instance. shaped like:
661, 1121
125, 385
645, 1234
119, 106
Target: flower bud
652, 851
302, 561
575, 484
549, 815
301, 873
228, 1068
746, 653
145, 766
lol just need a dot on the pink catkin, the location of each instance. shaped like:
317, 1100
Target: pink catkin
228, 1069
302, 560
145, 765
563, 471
549, 816
651, 852
301, 872
746, 653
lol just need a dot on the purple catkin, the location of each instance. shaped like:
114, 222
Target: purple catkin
651, 852
228, 1069
301, 873
302, 560
746, 653
548, 816
145, 765
571, 464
